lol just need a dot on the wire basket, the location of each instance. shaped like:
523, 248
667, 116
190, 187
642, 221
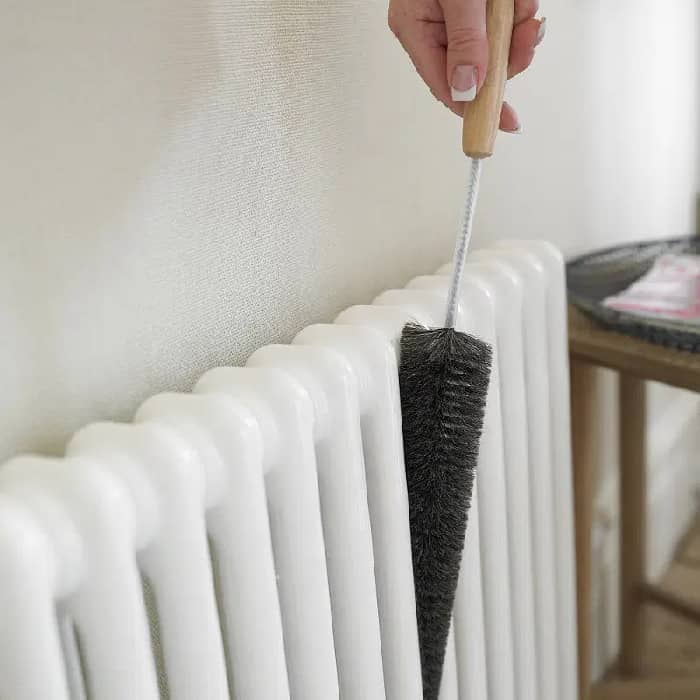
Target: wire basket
595, 276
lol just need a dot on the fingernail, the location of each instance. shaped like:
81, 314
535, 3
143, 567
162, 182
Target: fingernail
464, 83
517, 131
541, 31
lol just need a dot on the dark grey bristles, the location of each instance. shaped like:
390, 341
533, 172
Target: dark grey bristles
444, 378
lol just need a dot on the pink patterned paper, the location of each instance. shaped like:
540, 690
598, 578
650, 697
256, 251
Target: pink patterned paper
670, 289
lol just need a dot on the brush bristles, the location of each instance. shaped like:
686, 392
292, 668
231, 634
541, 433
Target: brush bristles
444, 378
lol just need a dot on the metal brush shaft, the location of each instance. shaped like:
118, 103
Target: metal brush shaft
462, 245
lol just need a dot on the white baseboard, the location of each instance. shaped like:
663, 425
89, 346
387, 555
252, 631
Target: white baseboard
674, 477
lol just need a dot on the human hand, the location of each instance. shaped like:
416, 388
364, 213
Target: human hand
446, 40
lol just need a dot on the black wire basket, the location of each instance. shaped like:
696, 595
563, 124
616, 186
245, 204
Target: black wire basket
595, 276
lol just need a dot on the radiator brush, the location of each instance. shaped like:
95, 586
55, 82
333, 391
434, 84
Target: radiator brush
444, 377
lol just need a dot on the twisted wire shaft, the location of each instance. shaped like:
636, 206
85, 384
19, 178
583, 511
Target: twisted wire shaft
462, 245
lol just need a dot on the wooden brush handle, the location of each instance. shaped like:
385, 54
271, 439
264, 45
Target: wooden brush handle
482, 116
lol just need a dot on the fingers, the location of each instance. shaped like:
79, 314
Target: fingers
424, 38
509, 120
425, 44
525, 9
447, 42
526, 36
527, 33
467, 47
522, 52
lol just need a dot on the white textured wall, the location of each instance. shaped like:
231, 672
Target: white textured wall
185, 180
611, 128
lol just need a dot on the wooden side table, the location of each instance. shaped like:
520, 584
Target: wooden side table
590, 346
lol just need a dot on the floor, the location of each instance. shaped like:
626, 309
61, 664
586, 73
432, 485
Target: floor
673, 646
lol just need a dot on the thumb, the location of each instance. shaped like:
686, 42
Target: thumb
467, 46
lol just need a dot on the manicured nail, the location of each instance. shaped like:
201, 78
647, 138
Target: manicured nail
541, 31
464, 83
518, 126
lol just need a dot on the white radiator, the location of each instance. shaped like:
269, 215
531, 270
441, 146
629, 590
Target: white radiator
250, 539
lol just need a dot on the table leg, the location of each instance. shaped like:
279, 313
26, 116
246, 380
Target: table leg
583, 419
633, 535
